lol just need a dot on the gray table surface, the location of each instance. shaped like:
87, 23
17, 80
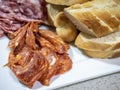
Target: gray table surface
108, 82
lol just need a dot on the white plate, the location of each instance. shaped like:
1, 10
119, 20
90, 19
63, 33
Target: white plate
84, 68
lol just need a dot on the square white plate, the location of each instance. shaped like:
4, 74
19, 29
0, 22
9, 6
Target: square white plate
84, 68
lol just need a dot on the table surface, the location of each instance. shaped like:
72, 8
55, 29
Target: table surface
108, 82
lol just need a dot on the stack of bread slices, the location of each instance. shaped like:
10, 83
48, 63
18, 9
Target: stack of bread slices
57, 18
98, 21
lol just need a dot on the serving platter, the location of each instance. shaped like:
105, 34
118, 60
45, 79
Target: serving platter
84, 68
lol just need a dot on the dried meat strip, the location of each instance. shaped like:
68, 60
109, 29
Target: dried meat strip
17, 40
52, 58
58, 64
30, 39
45, 43
28, 66
64, 63
58, 43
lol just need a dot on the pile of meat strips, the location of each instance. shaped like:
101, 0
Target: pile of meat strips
35, 55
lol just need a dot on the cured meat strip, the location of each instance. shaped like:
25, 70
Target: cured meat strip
30, 39
64, 63
52, 59
45, 43
28, 66
17, 40
58, 64
58, 43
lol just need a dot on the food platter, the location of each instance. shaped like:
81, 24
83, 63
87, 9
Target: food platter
37, 55
84, 68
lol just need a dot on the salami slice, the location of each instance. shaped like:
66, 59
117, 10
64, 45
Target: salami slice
16, 13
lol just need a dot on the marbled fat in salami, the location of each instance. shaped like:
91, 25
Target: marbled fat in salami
16, 13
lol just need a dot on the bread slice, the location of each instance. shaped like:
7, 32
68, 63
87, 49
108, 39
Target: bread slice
94, 17
106, 43
112, 21
65, 28
52, 11
103, 54
66, 2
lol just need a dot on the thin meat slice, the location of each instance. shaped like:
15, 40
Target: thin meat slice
52, 58
28, 66
30, 39
20, 59
58, 43
64, 63
58, 64
45, 43
17, 40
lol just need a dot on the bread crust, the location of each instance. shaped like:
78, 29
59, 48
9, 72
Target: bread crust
87, 42
52, 11
93, 23
66, 2
103, 54
108, 18
95, 17
65, 28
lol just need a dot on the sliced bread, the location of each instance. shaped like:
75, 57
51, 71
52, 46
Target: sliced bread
65, 28
103, 54
95, 17
106, 43
52, 11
